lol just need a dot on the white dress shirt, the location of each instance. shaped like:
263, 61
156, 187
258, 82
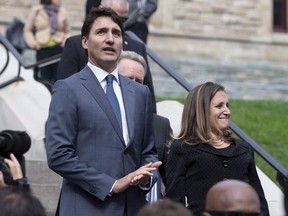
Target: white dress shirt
101, 76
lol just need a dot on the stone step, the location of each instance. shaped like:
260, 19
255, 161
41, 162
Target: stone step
45, 184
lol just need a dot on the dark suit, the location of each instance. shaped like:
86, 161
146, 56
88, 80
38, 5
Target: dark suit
162, 133
74, 59
90, 4
85, 145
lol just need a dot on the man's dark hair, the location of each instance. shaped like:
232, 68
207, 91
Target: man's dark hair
100, 12
15, 201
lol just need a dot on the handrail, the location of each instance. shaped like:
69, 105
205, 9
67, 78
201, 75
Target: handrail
7, 61
9, 47
182, 81
21, 61
282, 173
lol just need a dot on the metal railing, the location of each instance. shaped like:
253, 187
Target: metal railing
21, 62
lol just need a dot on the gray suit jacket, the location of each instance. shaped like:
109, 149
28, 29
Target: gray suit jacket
84, 145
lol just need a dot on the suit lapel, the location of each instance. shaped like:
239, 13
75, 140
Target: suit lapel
93, 86
128, 93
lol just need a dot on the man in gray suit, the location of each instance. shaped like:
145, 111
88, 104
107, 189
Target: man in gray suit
107, 165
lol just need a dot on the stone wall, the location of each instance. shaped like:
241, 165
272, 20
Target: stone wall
238, 19
218, 29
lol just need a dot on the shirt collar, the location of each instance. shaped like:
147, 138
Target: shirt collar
101, 74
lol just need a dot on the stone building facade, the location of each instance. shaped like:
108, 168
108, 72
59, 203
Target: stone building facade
218, 29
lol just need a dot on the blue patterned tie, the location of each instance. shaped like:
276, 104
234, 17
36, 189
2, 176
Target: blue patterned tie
113, 99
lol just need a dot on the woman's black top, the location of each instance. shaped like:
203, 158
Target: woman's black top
193, 169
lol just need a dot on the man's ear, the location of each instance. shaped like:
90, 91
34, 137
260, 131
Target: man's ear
84, 42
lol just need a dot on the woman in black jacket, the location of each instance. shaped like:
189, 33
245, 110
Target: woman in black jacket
205, 153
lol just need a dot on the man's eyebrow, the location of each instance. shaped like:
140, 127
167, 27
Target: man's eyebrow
101, 29
116, 29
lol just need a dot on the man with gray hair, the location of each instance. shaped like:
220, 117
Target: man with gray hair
133, 66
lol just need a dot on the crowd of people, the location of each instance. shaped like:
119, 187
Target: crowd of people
104, 138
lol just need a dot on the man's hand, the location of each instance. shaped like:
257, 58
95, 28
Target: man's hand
143, 178
140, 175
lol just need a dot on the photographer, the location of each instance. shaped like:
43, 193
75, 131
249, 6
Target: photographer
13, 144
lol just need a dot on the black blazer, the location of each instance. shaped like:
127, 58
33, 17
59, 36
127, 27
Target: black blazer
163, 134
193, 169
74, 59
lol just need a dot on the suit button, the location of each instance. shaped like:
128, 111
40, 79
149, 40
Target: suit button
225, 163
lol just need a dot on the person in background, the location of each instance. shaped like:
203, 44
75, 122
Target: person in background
140, 12
205, 152
100, 131
17, 202
46, 30
232, 197
13, 146
90, 4
133, 66
165, 207
74, 57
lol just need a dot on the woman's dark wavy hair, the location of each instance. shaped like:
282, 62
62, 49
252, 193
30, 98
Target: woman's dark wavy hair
100, 12
195, 125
